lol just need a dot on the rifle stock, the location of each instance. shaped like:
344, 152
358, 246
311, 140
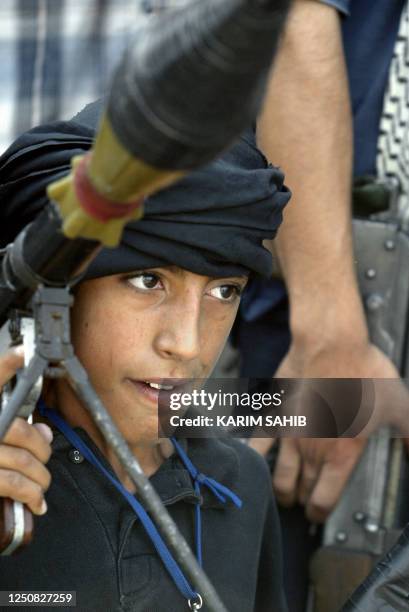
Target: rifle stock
333, 572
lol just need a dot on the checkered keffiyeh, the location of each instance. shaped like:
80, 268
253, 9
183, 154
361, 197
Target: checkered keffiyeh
393, 142
58, 55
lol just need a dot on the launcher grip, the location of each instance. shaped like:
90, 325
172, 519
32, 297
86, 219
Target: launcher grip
16, 526
16, 520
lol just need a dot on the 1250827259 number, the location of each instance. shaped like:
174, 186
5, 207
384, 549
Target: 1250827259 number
37, 598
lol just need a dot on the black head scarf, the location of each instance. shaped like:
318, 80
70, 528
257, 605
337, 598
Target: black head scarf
212, 222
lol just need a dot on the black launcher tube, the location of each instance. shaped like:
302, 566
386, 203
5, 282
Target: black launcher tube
186, 90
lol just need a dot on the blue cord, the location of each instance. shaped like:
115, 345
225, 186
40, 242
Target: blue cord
170, 563
220, 491
216, 488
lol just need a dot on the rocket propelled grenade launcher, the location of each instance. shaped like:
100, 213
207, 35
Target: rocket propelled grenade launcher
190, 83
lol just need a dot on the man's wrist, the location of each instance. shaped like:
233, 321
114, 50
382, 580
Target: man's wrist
328, 320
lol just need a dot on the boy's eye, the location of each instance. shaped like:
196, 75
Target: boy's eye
145, 280
226, 293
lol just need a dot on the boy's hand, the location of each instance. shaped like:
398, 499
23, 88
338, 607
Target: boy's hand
24, 451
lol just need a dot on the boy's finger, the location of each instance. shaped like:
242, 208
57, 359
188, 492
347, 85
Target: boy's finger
10, 362
19, 488
22, 461
29, 437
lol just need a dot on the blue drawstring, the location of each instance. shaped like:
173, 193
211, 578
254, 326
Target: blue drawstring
217, 489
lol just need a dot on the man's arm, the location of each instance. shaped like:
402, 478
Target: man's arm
306, 127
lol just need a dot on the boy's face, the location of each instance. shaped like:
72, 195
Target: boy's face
153, 326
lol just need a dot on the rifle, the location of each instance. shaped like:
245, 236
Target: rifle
374, 506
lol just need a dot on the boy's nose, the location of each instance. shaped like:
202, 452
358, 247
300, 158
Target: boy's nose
179, 334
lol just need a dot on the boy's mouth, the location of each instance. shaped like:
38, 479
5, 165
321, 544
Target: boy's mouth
153, 389
159, 386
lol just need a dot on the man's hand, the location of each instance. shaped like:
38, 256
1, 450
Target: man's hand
24, 451
314, 471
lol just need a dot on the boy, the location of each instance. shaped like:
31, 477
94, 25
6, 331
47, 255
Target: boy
155, 310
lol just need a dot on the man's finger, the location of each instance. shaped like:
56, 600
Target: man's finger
332, 479
261, 445
286, 473
308, 479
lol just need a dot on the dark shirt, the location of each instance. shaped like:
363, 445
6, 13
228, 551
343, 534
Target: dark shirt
90, 540
369, 34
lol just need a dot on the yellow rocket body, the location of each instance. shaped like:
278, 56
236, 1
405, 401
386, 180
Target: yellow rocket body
118, 178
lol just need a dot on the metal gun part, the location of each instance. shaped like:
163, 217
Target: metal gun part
370, 514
